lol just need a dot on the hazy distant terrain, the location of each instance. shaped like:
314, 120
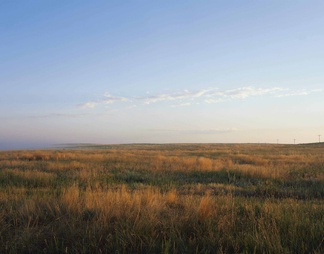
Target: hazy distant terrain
171, 198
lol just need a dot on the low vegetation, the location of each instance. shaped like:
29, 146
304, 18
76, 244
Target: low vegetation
184, 198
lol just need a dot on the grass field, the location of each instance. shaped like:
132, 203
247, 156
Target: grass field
181, 198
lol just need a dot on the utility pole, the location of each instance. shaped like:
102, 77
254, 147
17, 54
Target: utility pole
319, 138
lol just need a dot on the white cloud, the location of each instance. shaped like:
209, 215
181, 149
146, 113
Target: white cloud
108, 99
302, 92
239, 93
245, 92
185, 95
90, 104
208, 95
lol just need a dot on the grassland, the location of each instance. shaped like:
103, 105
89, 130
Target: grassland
185, 198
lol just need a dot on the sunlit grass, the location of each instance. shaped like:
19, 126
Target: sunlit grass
163, 199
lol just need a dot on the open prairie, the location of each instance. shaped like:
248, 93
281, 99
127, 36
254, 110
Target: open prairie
177, 198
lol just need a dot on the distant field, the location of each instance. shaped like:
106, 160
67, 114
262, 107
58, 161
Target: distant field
177, 198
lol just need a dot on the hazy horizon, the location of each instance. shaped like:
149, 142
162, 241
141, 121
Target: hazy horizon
29, 146
112, 72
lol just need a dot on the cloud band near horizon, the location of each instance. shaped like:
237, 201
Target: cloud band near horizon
208, 95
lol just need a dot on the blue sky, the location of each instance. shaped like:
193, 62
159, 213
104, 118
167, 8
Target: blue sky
160, 72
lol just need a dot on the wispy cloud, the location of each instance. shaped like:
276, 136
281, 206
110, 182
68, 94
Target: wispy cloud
107, 99
208, 95
239, 93
245, 92
90, 104
298, 93
185, 95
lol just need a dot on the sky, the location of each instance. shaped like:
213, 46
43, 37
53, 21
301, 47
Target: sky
114, 72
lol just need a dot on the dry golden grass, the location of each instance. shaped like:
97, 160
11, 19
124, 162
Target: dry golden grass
163, 199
